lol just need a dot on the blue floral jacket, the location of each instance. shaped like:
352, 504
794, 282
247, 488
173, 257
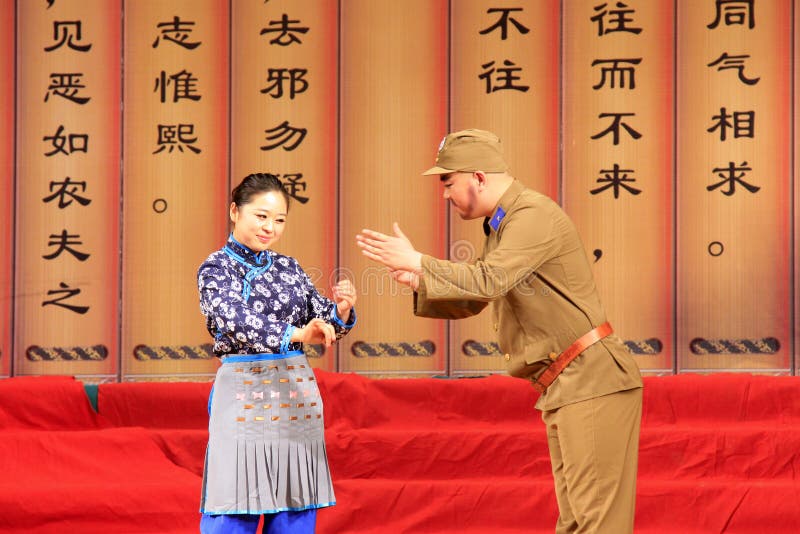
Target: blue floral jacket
253, 301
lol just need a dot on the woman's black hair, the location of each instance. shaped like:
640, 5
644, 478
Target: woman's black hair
255, 184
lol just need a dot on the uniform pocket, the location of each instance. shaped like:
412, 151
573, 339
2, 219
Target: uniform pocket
534, 358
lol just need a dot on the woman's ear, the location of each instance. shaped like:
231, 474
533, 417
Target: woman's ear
234, 212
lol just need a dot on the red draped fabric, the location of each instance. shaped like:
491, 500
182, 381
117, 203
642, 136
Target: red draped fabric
718, 453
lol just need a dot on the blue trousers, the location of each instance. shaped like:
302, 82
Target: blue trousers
303, 522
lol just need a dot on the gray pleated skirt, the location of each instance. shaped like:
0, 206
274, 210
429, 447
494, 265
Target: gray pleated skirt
266, 445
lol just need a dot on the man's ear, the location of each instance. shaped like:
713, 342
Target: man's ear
480, 176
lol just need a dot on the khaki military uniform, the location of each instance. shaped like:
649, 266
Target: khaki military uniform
535, 271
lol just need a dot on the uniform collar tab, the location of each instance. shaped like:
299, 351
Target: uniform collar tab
506, 200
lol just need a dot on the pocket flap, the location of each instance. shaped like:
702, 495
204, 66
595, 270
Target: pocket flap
542, 350
534, 358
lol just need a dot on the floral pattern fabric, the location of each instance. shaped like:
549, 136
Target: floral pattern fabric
253, 301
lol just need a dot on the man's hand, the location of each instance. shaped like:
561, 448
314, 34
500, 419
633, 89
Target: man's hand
395, 252
406, 278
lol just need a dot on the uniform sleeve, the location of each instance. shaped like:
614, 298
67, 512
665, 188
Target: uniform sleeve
529, 239
444, 308
321, 307
232, 322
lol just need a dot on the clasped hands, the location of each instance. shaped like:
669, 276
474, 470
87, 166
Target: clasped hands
317, 330
395, 252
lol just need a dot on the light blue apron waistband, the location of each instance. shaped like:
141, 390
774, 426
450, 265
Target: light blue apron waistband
261, 357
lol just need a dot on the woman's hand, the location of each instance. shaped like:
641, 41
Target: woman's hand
344, 295
315, 332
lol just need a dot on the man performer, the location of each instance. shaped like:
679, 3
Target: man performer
550, 323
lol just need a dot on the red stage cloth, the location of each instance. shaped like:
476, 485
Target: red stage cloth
46, 403
718, 454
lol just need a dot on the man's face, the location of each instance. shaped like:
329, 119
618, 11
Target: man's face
461, 189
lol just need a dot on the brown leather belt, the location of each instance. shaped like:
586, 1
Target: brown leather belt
562, 361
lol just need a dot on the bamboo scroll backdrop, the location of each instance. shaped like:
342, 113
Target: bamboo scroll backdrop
663, 128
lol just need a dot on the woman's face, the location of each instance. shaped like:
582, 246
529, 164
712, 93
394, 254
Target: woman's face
259, 224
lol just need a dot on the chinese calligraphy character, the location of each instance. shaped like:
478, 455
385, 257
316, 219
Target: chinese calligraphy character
67, 292
176, 32
67, 144
734, 12
743, 123
70, 189
617, 19
287, 33
66, 85
506, 76
293, 186
295, 77
503, 21
729, 176
733, 62
283, 134
617, 73
184, 86
614, 128
63, 242
616, 178
63, 32
176, 136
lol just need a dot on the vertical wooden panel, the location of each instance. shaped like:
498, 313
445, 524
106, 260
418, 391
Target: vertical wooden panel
523, 113
617, 163
734, 151
289, 128
393, 107
6, 180
175, 187
796, 207
67, 267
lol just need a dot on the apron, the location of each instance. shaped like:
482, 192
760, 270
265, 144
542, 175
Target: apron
266, 446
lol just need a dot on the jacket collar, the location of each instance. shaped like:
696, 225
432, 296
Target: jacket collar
508, 199
256, 259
